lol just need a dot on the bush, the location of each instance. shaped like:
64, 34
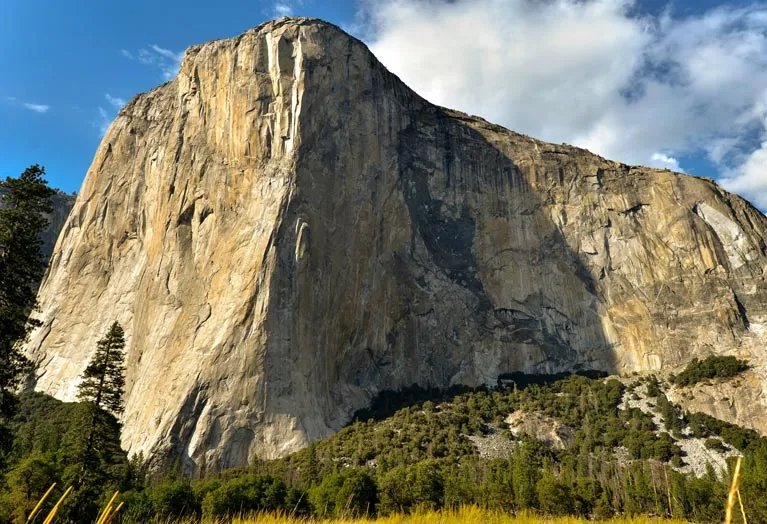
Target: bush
711, 367
555, 497
350, 493
715, 444
245, 494
137, 507
174, 499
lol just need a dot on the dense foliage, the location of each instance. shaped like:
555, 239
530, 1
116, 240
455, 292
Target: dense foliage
23, 201
49, 440
709, 368
72, 444
422, 458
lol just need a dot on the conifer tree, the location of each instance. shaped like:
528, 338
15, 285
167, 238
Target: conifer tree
23, 201
104, 378
101, 389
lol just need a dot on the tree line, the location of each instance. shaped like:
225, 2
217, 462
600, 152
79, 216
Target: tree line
43, 440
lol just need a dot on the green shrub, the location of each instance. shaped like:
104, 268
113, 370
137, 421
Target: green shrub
709, 368
350, 493
245, 494
137, 507
555, 497
715, 444
174, 499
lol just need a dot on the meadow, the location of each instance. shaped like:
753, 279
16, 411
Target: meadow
465, 515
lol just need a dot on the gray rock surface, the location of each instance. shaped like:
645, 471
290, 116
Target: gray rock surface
285, 229
62, 204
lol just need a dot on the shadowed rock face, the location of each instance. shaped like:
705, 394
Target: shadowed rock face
286, 229
62, 204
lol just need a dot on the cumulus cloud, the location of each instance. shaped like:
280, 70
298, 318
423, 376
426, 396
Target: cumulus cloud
636, 88
285, 8
750, 179
664, 161
37, 108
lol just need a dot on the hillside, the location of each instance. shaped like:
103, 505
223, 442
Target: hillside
624, 450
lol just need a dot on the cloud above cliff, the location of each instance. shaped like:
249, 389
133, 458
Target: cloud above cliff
652, 90
285, 8
166, 60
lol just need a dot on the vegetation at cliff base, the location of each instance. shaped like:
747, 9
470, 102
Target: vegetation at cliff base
611, 460
72, 444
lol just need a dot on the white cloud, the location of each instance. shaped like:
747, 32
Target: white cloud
285, 8
166, 60
642, 90
37, 108
663, 161
282, 9
104, 121
167, 53
750, 179
116, 102
105, 118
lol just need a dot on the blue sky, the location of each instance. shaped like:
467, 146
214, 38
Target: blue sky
681, 85
67, 56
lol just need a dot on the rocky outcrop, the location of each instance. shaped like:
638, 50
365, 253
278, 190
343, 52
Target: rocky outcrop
286, 229
540, 427
741, 400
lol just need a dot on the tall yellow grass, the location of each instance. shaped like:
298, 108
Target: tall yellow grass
465, 515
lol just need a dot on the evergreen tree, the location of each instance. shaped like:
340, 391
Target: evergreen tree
101, 391
23, 201
104, 378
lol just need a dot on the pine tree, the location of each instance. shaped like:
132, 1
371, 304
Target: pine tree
101, 390
104, 378
23, 201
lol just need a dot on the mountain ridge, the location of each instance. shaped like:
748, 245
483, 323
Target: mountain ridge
285, 229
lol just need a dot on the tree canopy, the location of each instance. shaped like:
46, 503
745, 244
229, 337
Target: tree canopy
104, 378
23, 202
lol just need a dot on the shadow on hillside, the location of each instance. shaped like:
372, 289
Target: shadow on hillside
388, 402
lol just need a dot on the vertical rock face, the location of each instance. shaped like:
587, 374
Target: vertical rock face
286, 229
62, 204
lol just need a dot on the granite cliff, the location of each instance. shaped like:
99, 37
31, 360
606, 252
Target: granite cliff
62, 204
285, 229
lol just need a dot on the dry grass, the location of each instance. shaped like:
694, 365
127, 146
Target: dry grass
466, 515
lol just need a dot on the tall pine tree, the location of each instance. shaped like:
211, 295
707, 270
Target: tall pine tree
23, 202
101, 390
104, 378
